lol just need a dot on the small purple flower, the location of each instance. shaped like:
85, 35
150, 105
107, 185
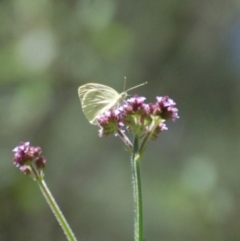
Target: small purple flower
109, 123
24, 153
168, 111
25, 169
134, 114
28, 158
136, 102
138, 117
40, 162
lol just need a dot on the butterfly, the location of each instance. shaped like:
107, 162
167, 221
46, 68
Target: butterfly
97, 99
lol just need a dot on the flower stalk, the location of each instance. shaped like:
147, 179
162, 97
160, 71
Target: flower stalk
137, 191
125, 139
56, 210
30, 161
144, 122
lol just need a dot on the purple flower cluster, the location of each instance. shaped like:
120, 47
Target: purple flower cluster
138, 117
28, 158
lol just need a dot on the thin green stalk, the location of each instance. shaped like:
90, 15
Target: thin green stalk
56, 210
154, 124
137, 192
125, 139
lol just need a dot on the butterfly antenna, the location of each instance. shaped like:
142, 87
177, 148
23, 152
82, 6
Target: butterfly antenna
137, 86
124, 83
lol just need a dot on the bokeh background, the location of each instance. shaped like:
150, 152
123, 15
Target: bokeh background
189, 50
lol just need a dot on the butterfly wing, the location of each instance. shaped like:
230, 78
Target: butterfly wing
96, 99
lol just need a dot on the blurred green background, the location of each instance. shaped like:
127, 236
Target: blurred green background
189, 50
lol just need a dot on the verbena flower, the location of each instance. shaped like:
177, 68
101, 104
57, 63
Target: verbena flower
109, 122
29, 159
138, 117
167, 108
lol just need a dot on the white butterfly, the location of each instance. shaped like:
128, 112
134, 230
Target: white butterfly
97, 98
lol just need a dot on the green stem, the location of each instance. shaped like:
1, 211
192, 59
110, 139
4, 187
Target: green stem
144, 143
154, 124
125, 139
137, 192
56, 210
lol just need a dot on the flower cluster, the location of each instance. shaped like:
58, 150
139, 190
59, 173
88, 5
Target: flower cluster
29, 159
138, 117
